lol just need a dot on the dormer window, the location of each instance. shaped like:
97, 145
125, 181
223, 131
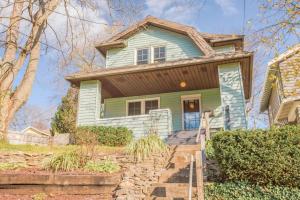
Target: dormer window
142, 56
159, 54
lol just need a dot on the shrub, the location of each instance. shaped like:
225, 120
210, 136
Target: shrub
146, 146
64, 120
245, 191
110, 136
106, 166
12, 166
260, 156
65, 162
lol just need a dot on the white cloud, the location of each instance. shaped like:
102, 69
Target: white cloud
228, 6
183, 11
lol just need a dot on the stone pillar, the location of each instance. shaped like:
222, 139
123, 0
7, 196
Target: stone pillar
89, 102
232, 96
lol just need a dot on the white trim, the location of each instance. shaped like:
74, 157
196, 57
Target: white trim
158, 46
142, 104
189, 97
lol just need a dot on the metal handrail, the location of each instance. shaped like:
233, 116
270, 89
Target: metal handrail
191, 177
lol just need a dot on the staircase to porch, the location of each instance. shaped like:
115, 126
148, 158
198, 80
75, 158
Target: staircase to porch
183, 178
174, 182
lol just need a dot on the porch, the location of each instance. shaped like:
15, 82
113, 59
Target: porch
167, 97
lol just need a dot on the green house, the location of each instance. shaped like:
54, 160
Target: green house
163, 76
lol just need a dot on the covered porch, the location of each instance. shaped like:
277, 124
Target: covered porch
167, 97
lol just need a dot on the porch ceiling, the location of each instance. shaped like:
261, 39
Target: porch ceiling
199, 75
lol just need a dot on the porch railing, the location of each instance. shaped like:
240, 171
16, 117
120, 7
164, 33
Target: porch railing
200, 156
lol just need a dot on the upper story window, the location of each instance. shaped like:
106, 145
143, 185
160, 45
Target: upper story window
142, 56
225, 48
159, 54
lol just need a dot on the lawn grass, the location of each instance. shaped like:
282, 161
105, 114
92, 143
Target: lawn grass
6, 148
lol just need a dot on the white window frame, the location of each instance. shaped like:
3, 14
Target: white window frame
151, 53
143, 108
152, 49
136, 55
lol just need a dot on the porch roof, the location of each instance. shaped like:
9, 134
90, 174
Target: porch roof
197, 73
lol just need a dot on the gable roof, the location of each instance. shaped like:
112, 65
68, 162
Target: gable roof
37, 131
119, 40
267, 87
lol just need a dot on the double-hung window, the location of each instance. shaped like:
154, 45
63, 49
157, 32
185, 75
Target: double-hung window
142, 56
159, 54
143, 106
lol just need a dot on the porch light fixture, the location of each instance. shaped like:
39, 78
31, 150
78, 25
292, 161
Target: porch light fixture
182, 84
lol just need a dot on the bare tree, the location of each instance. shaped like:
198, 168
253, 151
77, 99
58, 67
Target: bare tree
26, 36
31, 115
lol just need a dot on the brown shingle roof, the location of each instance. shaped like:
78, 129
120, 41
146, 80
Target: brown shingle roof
198, 38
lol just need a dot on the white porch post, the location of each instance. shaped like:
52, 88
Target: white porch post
89, 102
232, 96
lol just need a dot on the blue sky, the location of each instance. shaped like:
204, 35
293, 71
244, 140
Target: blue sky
212, 16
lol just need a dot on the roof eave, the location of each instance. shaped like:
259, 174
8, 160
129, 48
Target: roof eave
129, 69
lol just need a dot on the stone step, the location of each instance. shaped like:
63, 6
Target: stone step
184, 148
170, 190
176, 176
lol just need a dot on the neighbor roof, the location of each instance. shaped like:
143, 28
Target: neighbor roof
200, 39
267, 87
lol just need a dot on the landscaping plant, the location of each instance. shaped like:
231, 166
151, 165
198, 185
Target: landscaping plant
110, 136
12, 166
106, 166
146, 146
246, 191
67, 161
260, 156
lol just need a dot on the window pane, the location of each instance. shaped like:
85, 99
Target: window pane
142, 56
134, 108
151, 105
159, 54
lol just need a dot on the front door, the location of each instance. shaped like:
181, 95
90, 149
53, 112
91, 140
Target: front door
191, 114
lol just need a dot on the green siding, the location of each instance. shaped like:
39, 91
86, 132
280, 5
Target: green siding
232, 94
210, 100
89, 102
177, 46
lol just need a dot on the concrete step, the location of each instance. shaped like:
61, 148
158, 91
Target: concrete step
177, 176
170, 190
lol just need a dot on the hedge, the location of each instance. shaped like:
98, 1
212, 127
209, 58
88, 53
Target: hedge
246, 191
110, 136
260, 156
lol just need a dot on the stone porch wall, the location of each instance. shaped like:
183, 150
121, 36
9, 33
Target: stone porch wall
159, 121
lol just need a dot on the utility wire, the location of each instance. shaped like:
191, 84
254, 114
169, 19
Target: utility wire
244, 16
78, 18
24, 34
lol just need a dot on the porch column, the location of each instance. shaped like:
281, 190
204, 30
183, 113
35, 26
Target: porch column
298, 115
232, 96
89, 102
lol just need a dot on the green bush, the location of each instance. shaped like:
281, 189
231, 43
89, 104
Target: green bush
12, 166
67, 161
260, 156
110, 136
106, 166
146, 146
245, 191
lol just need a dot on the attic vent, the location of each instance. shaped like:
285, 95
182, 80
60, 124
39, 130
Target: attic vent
204, 69
120, 79
185, 72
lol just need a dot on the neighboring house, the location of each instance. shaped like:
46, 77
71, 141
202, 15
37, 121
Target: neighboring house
29, 135
281, 91
161, 76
